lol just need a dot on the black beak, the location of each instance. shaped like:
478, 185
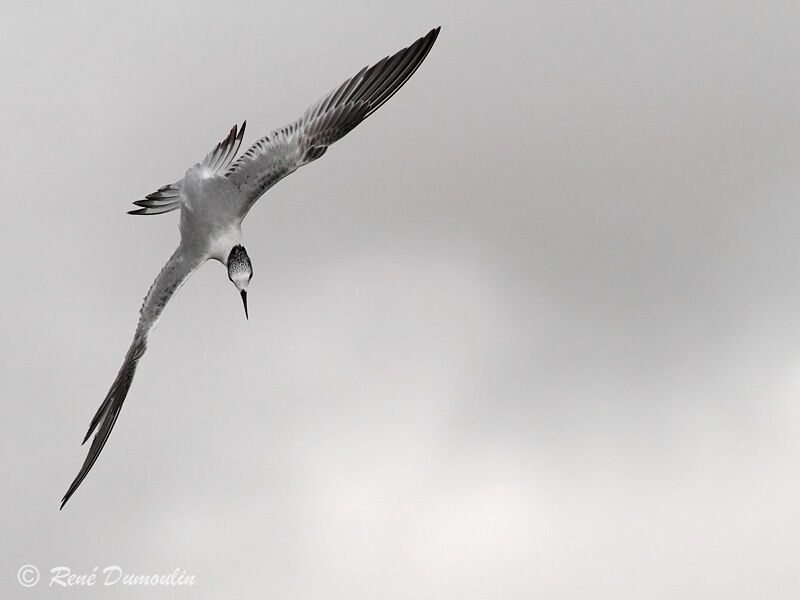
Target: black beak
244, 301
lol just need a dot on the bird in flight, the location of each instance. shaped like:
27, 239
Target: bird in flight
215, 196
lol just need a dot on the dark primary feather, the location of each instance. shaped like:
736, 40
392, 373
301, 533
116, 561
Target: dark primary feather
280, 153
167, 197
109, 410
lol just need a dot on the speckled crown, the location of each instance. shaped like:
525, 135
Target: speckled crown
239, 265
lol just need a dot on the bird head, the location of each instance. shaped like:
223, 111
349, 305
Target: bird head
240, 272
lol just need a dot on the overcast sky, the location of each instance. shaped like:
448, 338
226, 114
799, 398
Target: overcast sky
531, 331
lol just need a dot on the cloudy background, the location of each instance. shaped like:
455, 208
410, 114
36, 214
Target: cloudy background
531, 331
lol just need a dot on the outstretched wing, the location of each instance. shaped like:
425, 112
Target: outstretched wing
283, 151
167, 197
172, 276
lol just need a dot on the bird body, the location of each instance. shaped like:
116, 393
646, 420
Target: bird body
211, 221
214, 197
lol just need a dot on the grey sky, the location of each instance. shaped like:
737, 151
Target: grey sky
532, 331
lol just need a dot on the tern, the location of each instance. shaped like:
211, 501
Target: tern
216, 195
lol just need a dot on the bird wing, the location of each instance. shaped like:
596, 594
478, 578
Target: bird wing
283, 151
175, 272
167, 197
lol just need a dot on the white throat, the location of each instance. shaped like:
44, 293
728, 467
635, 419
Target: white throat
222, 244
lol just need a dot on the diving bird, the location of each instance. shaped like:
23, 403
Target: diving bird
215, 196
